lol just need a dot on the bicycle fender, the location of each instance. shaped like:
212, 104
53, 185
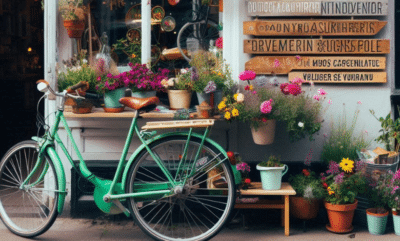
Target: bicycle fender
60, 177
236, 173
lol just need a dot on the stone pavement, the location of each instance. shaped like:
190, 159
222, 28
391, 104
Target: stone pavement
106, 228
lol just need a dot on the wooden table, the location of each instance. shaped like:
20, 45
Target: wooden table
256, 190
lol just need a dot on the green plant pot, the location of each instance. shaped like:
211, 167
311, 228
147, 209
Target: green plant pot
271, 177
111, 100
396, 222
144, 94
376, 221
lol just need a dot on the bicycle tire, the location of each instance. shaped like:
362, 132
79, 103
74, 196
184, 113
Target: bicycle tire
32, 211
201, 210
207, 31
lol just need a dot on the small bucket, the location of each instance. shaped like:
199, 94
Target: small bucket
271, 177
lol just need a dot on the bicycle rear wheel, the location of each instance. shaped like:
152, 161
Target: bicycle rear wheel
28, 211
196, 212
195, 36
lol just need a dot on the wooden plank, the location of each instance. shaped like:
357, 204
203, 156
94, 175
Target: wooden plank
285, 64
268, 8
341, 77
99, 113
316, 46
178, 124
332, 27
256, 189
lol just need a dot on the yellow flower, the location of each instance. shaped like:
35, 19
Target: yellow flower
235, 96
330, 191
221, 105
251, 87
225, 99
133, 56
235, 112
347, 165
227, 115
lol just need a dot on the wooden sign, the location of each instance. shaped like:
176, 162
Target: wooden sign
285, 64
341, 77
316, 46
316, 8
313, 27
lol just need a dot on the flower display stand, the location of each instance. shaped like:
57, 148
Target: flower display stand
256, 190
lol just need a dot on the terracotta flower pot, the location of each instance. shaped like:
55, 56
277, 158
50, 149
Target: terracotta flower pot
303, 208
340, 217
265, 133
74, 28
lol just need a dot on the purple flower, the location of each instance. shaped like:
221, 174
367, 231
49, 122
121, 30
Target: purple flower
394, 190
333, 168
360, 165
339, 178
211, 87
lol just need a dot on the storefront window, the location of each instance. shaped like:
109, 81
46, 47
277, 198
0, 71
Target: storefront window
121, 20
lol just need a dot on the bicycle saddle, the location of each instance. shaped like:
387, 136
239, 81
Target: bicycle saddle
138, 103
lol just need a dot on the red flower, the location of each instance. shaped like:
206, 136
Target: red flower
325, 185
219, 43
306, 172
247, 181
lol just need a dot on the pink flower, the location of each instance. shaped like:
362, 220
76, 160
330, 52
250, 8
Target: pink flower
330, 102
359, 102
293, 89
333, 168
322, 92
316, 97
325, 135
247, 75
277, 63
297, 80
219, 43
298, 57
266, 106
264, 120
339, 178
394, 190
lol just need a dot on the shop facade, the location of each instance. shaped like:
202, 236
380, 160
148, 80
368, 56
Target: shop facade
347, 48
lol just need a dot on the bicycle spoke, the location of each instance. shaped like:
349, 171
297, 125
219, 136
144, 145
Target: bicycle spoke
205, 204
16, 172
13, 177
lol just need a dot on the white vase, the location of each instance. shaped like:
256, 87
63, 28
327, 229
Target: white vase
265, 133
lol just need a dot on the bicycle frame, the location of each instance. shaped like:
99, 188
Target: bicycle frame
115, 191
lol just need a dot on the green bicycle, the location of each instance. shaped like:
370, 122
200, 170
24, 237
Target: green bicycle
178, 185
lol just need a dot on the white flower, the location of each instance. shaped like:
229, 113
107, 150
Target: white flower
301, 124
171, 82
240, 98
308, 192
184, 71
84, 61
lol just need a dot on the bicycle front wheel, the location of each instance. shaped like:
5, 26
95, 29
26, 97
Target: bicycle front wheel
196, 36
199, 208
30, 210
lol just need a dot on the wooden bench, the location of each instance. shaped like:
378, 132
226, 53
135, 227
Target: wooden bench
256, 190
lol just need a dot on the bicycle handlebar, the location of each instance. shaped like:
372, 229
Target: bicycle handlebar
44, 86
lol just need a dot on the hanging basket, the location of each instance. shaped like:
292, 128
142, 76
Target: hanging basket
265, 133
74, 28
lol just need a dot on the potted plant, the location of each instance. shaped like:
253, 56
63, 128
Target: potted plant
305, 205
142, 81
378, 195
130, 49
73, 71
210, 76
265, 104
271, 172
244, 170
179, 90
73, 14
343, 182
343, 140
389, 186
